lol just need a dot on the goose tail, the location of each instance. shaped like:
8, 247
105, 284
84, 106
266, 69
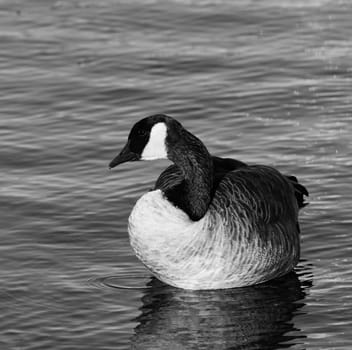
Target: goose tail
300, 191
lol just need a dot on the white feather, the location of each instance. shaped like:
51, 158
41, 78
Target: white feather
156, 147
204, 254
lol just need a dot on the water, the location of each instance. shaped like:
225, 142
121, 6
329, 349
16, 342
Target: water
267, 82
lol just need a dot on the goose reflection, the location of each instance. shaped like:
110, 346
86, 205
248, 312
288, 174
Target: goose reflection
257, 317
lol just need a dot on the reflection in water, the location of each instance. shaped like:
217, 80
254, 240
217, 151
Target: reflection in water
257, 317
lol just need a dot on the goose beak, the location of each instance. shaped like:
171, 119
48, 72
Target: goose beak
125, 155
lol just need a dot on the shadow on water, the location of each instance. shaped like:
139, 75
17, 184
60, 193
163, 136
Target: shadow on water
258, 317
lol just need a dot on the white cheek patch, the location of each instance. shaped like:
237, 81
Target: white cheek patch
156, 147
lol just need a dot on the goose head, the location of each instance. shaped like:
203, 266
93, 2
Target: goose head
150, 138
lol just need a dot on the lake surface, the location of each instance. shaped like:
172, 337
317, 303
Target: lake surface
263, 81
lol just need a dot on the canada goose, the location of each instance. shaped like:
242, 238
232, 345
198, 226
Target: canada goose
210, 223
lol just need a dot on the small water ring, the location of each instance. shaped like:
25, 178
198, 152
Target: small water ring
123, 282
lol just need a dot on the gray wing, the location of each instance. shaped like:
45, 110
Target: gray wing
169, 178
259, 193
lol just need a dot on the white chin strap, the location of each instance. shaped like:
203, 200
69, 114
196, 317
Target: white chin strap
156, 147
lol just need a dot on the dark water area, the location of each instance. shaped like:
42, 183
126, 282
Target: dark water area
262, 81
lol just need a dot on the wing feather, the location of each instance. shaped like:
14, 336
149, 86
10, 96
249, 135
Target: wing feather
261, 192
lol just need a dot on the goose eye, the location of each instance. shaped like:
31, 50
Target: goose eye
141, 132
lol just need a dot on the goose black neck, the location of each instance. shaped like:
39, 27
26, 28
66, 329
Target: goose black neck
194, 193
